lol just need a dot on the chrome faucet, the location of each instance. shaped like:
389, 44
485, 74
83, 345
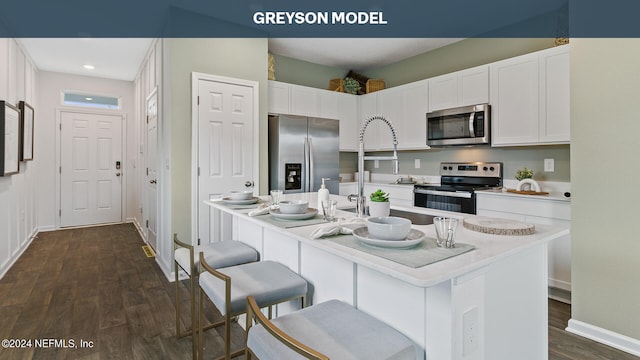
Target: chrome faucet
360, 198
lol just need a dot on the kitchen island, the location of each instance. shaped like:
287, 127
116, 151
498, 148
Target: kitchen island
488, 303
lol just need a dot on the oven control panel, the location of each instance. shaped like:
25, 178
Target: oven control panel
477, 169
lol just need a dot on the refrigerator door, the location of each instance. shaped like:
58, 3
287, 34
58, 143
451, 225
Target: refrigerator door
287, 149
324, 154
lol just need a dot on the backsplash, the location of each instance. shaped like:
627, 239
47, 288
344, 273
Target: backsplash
513, 158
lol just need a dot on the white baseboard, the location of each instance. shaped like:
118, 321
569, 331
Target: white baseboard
135, 223
12, 260
604, 336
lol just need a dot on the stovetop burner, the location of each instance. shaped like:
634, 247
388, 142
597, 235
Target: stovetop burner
467, 177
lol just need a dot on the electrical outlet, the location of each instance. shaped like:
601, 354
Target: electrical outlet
549, 165
470, 331
416, 163
376, 164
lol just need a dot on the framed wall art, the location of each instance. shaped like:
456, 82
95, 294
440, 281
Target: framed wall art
10, 139
26, 131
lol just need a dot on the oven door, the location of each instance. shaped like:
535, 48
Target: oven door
456, 201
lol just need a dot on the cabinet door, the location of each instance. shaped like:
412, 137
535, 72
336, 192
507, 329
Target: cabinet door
304, 101
349, 122
413, 132
329, 104
473, 86
390, 106
278, 97
443, 92
515, 101
369, 107
554, 95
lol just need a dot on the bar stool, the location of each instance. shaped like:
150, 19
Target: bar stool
220, 254
331, 329
269, 282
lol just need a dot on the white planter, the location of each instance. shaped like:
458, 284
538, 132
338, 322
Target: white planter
379, 209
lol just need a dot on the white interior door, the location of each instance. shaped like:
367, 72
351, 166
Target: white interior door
225, 146
151, 171
91, 169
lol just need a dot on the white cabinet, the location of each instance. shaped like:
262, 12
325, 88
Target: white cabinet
304, 101
536, 210
347, 189
367, 107
461, 88
278, 97
530, 99
406, 107
344, 107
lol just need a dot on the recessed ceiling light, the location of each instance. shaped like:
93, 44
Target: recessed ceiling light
89, 67
88, 98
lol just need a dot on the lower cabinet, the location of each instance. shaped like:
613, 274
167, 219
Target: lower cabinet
542, 211
399, 195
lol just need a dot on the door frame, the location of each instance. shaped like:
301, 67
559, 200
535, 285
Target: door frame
123, 149
196, 77
144, 177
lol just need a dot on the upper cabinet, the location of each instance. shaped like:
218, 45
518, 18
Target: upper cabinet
306, 101
461, 88
530, 99
406, 107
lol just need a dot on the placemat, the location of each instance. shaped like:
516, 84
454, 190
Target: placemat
427, 252
286, 224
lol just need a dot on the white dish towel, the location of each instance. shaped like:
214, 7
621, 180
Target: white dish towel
260, 210
337, 228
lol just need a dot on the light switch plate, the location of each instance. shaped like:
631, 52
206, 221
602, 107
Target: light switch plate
549, 165
416, 163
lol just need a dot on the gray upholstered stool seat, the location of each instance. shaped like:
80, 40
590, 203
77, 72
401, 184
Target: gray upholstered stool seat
187, 257
334, 329
268, 281
219, 255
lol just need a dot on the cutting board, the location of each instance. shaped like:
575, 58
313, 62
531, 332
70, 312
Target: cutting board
496, 226
527, 192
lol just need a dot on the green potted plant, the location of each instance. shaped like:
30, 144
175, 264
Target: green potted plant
351, 86
379, 205
525, 181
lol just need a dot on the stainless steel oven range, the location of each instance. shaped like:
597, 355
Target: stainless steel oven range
458, 183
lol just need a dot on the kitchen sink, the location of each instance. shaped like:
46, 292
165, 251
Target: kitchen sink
416, 218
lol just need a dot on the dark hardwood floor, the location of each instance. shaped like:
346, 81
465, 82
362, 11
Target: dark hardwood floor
96, 287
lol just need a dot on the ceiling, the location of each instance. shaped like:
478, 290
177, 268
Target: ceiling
120, 59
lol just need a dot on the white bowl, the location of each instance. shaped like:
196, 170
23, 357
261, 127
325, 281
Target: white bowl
388, 228
293, 206
241, 195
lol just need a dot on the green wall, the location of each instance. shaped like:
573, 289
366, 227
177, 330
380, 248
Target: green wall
236, 58
604, 147
304, 73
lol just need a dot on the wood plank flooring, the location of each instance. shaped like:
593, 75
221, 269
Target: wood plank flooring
95, 285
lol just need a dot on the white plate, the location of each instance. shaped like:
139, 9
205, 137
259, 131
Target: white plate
311, 212
231, 201
415, 237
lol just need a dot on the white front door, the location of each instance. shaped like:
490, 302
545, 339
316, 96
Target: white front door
151, 171
225, 146
91, 169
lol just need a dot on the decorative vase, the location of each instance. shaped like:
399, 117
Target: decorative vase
528, 185
379, 209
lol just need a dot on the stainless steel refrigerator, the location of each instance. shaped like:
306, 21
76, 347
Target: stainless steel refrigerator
302, 151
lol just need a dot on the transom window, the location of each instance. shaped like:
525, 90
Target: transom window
91, 100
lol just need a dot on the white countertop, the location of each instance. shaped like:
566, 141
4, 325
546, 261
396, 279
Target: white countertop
557, 196
489, 248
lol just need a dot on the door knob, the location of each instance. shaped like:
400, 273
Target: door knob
248, 184
152, 181
117, 174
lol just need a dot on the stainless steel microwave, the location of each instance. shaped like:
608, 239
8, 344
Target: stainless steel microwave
467, 125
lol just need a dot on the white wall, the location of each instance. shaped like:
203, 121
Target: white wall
50, 86
18, 192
